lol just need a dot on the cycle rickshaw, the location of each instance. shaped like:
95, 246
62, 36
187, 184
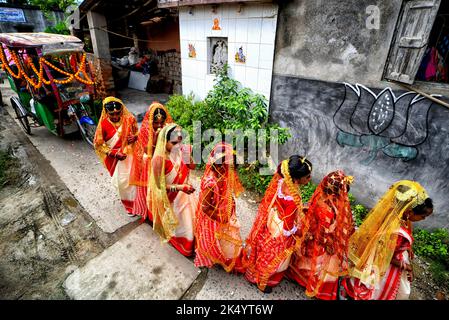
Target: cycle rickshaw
54, 83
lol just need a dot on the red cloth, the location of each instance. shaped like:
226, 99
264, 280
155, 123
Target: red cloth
108, 132
208, 249
268, 253
390, 282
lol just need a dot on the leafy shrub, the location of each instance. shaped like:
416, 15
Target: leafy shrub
228, 106
307, 191
59, 28
434, 247
359, 213
183, 109
252, 180
432, 244
351, 198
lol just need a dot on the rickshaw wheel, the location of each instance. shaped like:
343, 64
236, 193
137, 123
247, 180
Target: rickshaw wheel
21, 114
87, 132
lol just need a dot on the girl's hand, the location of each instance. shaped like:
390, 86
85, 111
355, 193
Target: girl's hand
131, 139
410, 275
187, 188
329, 249
120, 156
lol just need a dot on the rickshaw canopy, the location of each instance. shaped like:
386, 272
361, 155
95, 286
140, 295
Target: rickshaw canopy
49, 43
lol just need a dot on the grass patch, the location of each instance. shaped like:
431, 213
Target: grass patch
433, 246
252, 180
440, 273
9, 171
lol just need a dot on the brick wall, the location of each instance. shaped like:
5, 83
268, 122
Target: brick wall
169, 66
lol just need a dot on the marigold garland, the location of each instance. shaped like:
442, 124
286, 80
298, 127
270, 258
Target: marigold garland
40, 73
5, 66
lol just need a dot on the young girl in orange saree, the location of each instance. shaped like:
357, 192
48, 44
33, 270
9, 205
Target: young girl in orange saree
322, 257
170, 196
380, 251
114, 139
273, 238
154, 120
217, 230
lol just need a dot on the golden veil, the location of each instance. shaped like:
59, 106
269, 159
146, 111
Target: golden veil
164, 218
372, 246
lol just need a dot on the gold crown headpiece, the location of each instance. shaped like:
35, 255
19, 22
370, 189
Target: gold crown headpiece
158, 115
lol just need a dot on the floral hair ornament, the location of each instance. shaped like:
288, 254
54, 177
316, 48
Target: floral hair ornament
349, 180
303, 161
409, 192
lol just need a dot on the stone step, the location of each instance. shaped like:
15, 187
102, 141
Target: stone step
137, 266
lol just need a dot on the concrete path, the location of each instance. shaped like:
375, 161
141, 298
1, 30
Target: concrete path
138, 101
79, 168
106, 277
220, 285
137, 266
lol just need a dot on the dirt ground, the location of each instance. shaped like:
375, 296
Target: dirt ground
45, 234
424, 287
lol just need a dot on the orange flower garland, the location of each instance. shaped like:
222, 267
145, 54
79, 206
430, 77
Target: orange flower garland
40, 74
5, 65
69, 75
30, 81
82, 69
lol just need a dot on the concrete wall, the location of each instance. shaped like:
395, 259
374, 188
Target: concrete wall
319, 46
253, 29
329, 123
328, 40
35, 20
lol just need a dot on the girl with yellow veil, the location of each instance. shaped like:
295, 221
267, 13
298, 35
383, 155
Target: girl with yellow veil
170, 196
154, 120
114, 143
380, 251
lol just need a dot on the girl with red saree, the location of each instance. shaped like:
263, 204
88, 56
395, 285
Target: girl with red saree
273, 236
154, 120
114, 139
217, 230
322, 257
380, 251
170, 196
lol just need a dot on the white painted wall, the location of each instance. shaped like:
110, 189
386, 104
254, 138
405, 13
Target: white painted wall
254, 28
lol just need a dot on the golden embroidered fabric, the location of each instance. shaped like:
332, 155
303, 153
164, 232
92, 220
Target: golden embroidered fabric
372, 246
165, 221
